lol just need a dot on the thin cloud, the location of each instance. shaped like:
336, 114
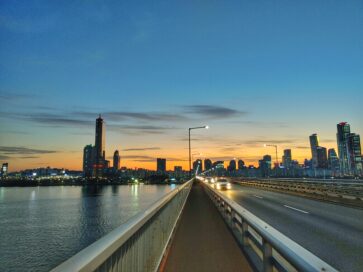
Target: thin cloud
141, 149
130, 115
4, 157
138, 158
8, 96
211, 111
140, 130
15, 150
270, 141
302, 147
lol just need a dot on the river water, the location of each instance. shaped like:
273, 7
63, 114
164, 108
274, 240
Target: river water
40, 227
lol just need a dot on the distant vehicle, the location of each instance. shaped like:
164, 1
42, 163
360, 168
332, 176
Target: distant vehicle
222, 184
209, 180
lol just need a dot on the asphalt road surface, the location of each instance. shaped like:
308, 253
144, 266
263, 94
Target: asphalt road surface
332, 232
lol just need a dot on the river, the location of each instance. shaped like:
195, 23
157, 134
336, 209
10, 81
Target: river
40, 227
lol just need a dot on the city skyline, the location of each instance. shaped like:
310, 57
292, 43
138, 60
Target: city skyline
152, 73
140, 161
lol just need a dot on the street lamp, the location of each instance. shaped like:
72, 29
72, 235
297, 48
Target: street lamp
190, 148
275, 146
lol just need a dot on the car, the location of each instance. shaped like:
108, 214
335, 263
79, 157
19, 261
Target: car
209, 180
222, 184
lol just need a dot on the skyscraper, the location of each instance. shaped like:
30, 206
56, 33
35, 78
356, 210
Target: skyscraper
287, 158
207, 164
265, 165
88, 160
161, 165
4, 169
241, 165
333, 160
116, 160
232, 165
178, 171
342, 141
314, 143
322, 157
99, 156
355, 155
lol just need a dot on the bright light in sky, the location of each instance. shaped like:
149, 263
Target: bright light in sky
256, 71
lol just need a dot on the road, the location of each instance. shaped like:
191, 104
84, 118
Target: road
332, 232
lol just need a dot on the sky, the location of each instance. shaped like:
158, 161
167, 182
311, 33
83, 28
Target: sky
255, 71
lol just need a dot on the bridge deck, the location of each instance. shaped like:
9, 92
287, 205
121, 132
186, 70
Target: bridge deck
202, 240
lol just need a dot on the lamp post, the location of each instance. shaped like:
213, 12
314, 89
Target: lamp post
275, 146
190, 148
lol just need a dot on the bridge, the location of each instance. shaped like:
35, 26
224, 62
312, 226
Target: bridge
198, 228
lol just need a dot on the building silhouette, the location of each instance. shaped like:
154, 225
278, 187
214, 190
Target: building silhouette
232, 166
355, 155
88, 158
265, 166
100, 154
4, 169
161, 165
343, 151
322, 158
116, 160
314, 143
333, 161
241, 165
207, 164
287, 159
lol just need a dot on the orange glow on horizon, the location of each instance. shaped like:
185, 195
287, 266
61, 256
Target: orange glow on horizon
73, 161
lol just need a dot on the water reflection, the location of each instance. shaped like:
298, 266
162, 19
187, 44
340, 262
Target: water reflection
46, 225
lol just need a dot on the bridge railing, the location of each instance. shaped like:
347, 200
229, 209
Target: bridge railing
138, 244
268, 249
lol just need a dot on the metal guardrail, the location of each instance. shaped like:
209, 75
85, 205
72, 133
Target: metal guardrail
137, 245
343, 193
338, 189
267, 248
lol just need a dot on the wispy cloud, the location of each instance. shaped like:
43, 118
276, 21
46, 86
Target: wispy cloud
302, 147
140, 130
4, 157
212, 111
16, 150
132, 115
141, 149
12, 96
58, 120
270, 141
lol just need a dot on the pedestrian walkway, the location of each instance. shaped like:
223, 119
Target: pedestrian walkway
202, 241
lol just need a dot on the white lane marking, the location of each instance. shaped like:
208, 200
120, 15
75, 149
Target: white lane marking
287, 206
258, 196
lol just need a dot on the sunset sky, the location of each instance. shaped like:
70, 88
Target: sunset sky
255, 71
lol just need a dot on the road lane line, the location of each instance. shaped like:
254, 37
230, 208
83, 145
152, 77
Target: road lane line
258, 196
287, 206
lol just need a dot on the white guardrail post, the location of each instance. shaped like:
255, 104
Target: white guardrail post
137, 245
272, 250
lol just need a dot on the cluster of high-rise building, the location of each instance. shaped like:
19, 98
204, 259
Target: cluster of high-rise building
94, 157
348, 161
324, 162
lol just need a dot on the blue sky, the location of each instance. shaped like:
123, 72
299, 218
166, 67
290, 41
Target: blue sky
284, 69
